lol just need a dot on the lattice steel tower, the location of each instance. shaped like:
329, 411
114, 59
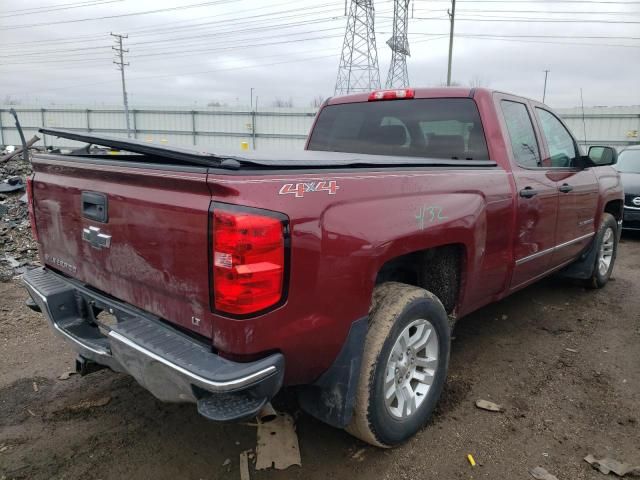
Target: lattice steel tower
358, 70
398, 76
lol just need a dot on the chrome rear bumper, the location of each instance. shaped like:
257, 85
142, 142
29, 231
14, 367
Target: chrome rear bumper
173, 366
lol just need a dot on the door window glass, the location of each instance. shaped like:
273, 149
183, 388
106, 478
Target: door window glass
521, 133
562, 148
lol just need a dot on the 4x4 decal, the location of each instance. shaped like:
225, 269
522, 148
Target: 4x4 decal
299, 189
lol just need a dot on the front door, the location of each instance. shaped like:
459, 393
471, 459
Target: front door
577, 189
537, 195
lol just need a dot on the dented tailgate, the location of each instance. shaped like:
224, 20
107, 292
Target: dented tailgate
138, 233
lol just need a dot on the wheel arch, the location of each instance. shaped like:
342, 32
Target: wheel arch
439, 269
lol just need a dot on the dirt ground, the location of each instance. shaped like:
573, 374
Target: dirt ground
564, 362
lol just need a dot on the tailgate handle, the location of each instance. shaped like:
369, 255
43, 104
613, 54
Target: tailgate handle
94, 206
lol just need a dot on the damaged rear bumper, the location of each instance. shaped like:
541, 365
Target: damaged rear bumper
173, 366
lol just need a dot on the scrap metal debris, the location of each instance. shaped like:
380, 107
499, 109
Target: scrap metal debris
244, 465
11, 151
67, 375
277, 444
12, 184
609, 465
359, 455
16, 243
540, 473
88, 404
489, 406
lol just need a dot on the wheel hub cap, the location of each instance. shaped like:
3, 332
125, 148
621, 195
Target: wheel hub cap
411, 368
605, 255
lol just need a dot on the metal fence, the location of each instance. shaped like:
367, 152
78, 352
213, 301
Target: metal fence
219, 128
226, 128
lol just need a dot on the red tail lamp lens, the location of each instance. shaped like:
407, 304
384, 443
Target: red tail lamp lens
248, 261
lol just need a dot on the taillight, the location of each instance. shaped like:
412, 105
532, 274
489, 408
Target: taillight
30, 206
392, 94
248, 260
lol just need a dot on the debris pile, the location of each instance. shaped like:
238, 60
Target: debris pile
18, 251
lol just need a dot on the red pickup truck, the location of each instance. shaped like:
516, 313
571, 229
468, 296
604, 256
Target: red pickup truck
338, 270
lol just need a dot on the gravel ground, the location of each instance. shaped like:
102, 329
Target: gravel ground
562, 360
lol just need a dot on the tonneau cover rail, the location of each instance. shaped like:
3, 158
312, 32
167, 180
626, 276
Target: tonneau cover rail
293, 159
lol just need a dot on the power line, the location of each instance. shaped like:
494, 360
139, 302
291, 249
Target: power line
17, 13
187, 52
202, 72
586, 37
614, 2
226, 34
161, 28
541, 12
147, 12
579, 44
533, 20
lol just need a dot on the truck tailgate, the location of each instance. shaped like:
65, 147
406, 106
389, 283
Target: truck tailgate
151, 247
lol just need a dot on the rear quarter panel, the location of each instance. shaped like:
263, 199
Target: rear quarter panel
340, 242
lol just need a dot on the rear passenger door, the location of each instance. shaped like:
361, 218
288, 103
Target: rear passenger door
578, 188
536, 190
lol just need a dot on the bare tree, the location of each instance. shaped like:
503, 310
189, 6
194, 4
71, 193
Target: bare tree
317, 101
216, 103
279, 102
8, 100
477, 81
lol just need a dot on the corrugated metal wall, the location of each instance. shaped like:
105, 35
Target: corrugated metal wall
213, 128
224, 128
615, 126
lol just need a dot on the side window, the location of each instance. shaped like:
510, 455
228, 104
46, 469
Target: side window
562, 148
521, 134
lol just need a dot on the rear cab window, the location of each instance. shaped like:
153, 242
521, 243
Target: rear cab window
446, 128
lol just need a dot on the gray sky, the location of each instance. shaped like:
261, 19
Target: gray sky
291, 49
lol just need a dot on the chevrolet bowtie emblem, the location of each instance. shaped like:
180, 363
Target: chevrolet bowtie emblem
95, 238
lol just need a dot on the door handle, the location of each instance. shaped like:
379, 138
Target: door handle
94, 206
528, 192
565, 188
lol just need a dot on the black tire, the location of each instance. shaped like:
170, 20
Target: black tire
599, 278
395, 306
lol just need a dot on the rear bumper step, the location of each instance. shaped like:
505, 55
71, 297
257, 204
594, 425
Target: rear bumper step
171, 365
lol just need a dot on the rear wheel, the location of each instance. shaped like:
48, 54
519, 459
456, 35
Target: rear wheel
607, 245
404, 365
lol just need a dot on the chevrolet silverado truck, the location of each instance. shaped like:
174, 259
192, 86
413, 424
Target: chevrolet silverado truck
337, 271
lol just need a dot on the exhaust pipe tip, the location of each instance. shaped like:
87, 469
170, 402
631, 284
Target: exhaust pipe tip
267, 413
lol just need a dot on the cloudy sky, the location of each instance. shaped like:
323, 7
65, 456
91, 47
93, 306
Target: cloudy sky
192, 52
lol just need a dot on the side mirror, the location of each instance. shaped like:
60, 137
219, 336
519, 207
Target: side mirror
601, 156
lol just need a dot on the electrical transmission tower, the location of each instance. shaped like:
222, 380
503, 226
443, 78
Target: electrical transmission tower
119, 61
398, 76
358, 69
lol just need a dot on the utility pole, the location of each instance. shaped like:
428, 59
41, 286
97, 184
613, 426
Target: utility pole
358, 69
452, 17
119, 61
544, 92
